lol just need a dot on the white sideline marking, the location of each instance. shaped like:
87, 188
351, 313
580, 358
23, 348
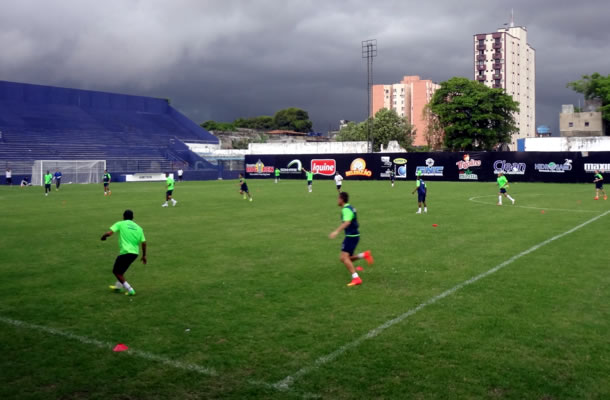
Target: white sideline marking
285, 383
474, 200
108, 346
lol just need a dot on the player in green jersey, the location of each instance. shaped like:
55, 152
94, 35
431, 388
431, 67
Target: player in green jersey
503, 185
309, 179
598, 179
48, 178
243, 188
170, 190
106, 178
349, 223
277, 175
131, 236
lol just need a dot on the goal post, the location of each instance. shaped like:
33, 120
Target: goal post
72, 171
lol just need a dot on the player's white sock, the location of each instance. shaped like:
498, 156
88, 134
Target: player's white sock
425, 209
174, 201
419, 210
360, 255
118, 285
510, 198
354, 275
499, 199
127, 286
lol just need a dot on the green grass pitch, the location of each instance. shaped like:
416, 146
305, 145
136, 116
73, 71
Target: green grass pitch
254, 293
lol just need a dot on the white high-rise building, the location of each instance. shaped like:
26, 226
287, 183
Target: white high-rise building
504, 59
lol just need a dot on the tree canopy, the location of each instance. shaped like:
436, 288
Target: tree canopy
385, 126
595, 87
292, 119
472, 115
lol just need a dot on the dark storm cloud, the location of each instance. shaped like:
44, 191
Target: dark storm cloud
225, 59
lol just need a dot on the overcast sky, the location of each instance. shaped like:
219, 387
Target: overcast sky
226, 59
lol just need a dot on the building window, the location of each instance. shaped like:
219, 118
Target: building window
586, 123
571, 124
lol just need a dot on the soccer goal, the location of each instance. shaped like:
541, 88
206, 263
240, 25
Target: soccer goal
72, 171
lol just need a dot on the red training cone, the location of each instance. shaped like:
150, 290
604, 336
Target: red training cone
120, 347
434, 225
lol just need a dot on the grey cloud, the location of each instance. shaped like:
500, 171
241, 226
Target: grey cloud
226, 59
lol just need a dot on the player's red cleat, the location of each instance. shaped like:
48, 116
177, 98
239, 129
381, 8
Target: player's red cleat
596, 198
605, 197
355, 282
359, 268
368, 257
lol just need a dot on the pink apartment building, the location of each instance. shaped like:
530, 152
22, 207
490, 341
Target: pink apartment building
408, 98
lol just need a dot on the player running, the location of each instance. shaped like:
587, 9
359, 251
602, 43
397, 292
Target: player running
107, 179
392, 177
349, 223
243, 187
422, 191
57, 179
170, 190
599, 185
131, 236
48, 178
277, 175
338, 181
503, 185
309, 179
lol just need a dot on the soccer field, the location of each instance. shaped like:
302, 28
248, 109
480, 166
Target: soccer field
249, 300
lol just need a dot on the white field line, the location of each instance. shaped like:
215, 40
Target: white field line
475, 200
285, 383
108, 346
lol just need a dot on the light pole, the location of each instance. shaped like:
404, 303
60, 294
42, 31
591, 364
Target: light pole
369, 51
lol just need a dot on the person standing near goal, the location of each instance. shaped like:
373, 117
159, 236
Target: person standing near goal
131, 236
503, 185
57, 179
170, 190
180, 172
338, 181
9, 177
107, 179
48, 178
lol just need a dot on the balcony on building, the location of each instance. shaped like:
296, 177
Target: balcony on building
497, 86
481, 47
481, 67
497, 55
497, 46
497, 76
497, 66
481, 77
480, 57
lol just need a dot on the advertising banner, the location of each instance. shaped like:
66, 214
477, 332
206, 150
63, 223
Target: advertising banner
568, 167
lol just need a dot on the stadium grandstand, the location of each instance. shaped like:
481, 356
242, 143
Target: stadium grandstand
132, 134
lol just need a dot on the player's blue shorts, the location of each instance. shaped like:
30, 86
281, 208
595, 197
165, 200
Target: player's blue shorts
349, 244
105, 184
502, 190
169, 192
244, 188
599, 185
421, 197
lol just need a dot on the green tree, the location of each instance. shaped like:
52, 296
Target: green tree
218, 126
434, 134
473, 116
385, 126
595, 87
293, 119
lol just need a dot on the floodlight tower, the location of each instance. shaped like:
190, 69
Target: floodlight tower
369, 51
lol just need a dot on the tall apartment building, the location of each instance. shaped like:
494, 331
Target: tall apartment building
504, 59
408, 98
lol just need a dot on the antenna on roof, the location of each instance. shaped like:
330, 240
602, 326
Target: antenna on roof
512, 18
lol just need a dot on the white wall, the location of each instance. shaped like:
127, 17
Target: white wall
308, 148
593, 143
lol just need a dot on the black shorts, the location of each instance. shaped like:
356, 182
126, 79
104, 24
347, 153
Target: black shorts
392, 179
244, 188
599, 185
421, 197
338, 187
47, 186
309, 183
9, 181
349, 244
106, 184
122, 263
169, 192
502, 190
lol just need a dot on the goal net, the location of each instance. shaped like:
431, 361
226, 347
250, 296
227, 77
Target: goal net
72, 171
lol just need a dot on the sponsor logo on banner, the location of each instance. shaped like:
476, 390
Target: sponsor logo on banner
259, 169
358, 168
430, 169
596, 167
554, 168
464, 166
293, 167
324, 167
400, 161
397, 165
509, 168
386, 162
